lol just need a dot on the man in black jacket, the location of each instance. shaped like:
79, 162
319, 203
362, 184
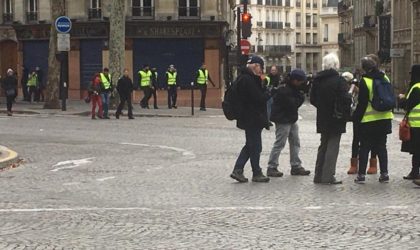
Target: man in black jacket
9, 85
287, 100
125, 88
253, 119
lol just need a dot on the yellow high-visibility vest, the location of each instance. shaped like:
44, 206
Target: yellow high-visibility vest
145, 78
32, 80
414, 115
105, 81
171, 77
203, 76
371, 114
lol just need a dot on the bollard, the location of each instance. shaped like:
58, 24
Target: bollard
192, 98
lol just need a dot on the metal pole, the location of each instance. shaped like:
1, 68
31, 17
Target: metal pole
192, 98
64, 76
238, 28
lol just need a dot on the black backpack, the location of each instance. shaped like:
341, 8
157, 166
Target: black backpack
231, 105
343, 105
383, 95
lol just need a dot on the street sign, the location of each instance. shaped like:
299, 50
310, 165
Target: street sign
245, 46
63, 42
397, 53
63, 24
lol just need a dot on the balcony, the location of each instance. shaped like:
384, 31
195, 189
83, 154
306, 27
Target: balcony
260, 49
274, 25
7, 17
95, 14
369, 22
278, 50
329, 11
189, 12
31, 16
143, 12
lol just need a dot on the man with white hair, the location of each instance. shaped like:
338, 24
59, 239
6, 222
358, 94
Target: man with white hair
328, 91
254, 118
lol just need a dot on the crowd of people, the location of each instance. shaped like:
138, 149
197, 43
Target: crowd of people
368, 102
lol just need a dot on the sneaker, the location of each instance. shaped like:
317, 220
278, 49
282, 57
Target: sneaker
202, 109
299, 171
410, 176
175, 107
360, 179
131, 117
260, 178
384, 178
274, 172
238, 175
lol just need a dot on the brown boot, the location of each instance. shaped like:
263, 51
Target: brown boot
373, 166
354, 162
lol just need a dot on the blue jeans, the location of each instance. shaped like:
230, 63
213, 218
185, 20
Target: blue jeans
251, 151
269, 104
105, 102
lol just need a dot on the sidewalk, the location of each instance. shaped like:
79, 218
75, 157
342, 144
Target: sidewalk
80, 108
7, 157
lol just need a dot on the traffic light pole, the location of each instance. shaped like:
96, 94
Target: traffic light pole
238, 42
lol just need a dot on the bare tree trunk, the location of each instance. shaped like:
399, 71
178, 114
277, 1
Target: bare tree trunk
52, 92
117, 41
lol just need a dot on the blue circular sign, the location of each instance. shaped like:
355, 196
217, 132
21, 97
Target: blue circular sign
63, 24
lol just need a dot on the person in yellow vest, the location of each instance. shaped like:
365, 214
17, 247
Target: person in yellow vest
32, 85
106, 90
202, 78
411, 103
374, 125
145, 81
172, 80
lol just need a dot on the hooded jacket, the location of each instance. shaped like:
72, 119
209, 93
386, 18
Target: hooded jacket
287, 100
253, 99
327, 86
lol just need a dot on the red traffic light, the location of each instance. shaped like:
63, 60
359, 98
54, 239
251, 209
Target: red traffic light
246, 17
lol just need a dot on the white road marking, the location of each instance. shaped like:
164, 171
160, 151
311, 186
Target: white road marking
229, 208
106, 178
313, 208
71, 164
186, 153
397, 207
71, 183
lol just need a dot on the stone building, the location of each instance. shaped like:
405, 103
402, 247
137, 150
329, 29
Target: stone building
345, 35
158, 32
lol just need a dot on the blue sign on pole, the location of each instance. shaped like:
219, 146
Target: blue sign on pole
63, 24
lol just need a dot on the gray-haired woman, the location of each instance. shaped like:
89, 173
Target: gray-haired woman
328, 87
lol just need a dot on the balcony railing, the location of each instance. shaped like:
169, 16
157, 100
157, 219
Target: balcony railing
7, 17
369, 22
189, 12
260, 49
274, 25
31, 16
94, 14
274, 50
329, 11
143, 12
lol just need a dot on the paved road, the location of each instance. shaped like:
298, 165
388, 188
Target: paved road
162, 183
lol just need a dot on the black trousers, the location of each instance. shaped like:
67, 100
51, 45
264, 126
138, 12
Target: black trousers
25, 92
415, 161
124, 99
10, 99
375, 143
147, 95
355, 147
154, 97
31, 92
172, 95
203, 90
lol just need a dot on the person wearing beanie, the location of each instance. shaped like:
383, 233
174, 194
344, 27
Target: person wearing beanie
374, 125
252, 120
411, 103
329, 89
287, 100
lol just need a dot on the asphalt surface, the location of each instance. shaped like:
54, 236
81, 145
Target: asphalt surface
163, 183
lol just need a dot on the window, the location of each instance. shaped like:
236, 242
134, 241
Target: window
298, 3
32, 10
95, 11
189, 8
315, 20
298, 20
308, 3
308, 38
326, 33
308, 20
142, 8
315, 40
287, 38
298, 60
298, 38
8, 11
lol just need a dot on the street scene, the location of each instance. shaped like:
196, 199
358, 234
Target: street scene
209, 124
163, 183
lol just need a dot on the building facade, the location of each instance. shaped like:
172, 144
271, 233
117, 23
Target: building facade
345, 35
185, 33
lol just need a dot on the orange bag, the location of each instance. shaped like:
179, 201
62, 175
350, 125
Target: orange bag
405, 133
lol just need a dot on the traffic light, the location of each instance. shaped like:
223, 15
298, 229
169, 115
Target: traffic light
246, 25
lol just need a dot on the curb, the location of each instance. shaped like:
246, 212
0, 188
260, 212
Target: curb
21, 112
7, 157
88, 113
